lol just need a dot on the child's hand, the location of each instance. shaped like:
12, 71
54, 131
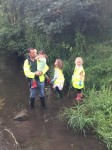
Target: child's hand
37, 57
80, 83
38, 73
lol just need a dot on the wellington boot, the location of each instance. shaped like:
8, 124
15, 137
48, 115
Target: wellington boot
42, 100
78, 98
34, 84
32, 102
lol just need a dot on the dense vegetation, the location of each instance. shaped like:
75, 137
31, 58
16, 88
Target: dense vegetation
67, 29
53, 24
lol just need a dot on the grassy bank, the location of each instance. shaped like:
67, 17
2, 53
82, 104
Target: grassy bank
95, 113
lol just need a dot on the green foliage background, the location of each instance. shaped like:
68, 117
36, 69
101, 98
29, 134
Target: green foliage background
67, 29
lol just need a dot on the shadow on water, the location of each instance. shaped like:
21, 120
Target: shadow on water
43, 130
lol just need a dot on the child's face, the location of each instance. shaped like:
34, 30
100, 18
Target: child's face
78, 62
40, 55
55, 64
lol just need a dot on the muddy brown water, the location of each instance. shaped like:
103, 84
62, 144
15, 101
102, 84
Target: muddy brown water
43, 130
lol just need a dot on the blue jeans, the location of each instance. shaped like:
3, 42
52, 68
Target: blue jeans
40, 88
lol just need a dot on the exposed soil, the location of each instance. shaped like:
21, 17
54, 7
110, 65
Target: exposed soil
43, 130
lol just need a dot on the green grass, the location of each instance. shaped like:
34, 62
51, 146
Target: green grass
95, 113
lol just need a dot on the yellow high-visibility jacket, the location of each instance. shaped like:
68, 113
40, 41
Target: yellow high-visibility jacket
29, 74
59, 77
76, 77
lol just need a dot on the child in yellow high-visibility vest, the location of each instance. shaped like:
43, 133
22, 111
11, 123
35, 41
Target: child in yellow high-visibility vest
41, 57
78, 77
58, 80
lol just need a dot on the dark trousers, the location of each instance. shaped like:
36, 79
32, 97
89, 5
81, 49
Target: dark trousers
79, 90
59, 91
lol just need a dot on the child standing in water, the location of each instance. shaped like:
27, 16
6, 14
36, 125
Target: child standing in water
58, 80
78, 77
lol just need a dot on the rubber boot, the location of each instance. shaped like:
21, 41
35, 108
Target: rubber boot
34, 84
32, 102
42, 100
59, 92
78, 98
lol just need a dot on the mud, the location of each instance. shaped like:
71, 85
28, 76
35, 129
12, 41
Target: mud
43, 130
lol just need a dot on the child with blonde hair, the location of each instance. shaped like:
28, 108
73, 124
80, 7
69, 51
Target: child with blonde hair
78, 77
58, 80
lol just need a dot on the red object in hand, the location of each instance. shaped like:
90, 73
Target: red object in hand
34, 84
48, 81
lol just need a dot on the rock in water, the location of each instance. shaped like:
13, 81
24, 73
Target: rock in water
22, 116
